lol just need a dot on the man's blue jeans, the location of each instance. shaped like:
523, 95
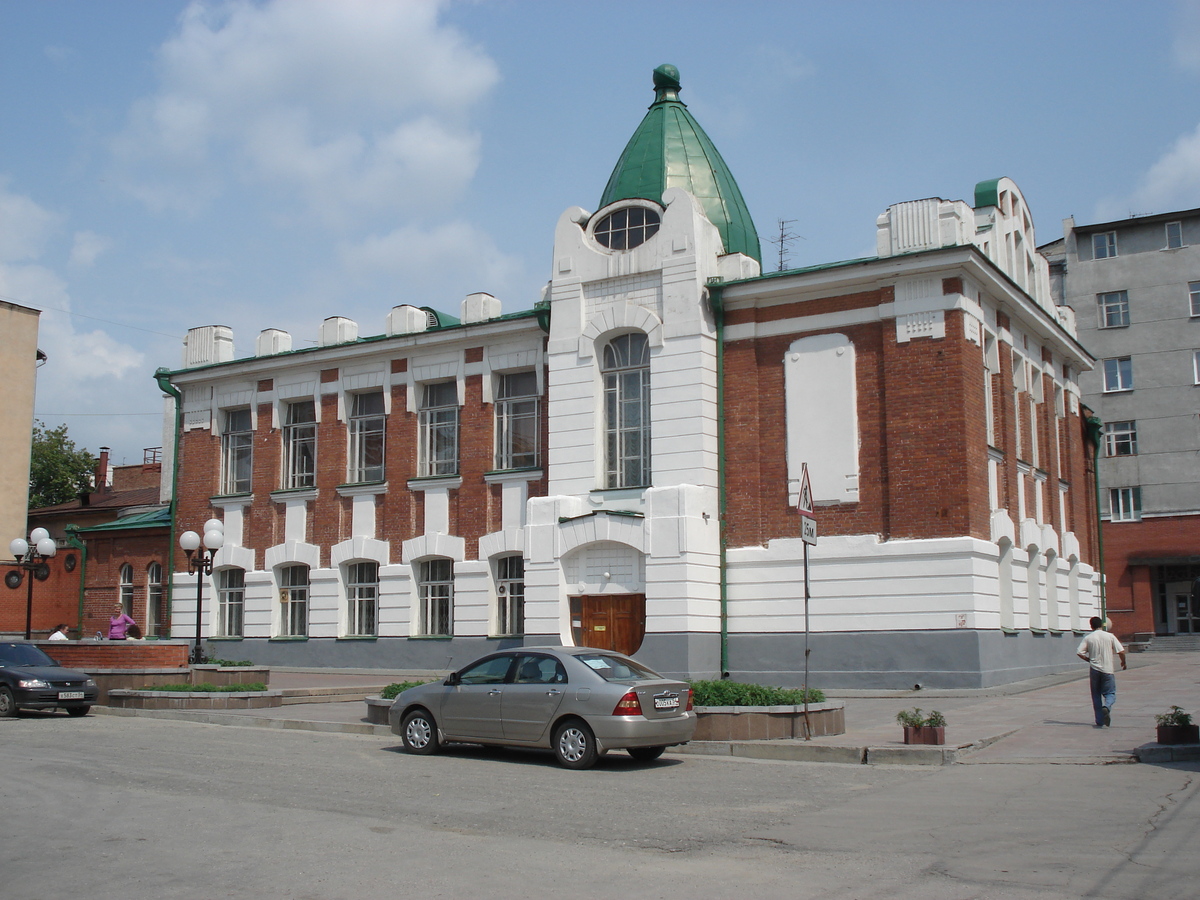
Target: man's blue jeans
1104, 692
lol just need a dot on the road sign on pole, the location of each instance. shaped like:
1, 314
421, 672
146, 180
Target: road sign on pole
804, 503
808, 529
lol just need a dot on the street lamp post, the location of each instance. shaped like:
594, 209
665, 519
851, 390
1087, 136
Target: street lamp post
200, 553
30, 556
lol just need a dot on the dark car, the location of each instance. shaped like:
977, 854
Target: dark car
577, 701
29, 679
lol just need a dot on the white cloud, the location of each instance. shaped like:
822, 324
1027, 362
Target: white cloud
350, 106
1173, 182
24, 226
87, 248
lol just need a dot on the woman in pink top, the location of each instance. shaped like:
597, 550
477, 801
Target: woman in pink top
119, 624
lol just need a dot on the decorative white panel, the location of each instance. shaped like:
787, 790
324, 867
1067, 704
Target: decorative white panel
822, 417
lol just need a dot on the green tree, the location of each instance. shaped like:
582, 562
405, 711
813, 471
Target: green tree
58, 470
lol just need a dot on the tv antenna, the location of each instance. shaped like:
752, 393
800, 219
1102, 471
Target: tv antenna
785, 239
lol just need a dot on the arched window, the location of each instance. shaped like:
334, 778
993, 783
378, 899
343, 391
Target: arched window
293, 600
362, 592
154, 598
627, 228
626, 370
510, 593
435, 583
126, 589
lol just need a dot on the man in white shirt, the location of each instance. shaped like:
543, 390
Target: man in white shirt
1098, 650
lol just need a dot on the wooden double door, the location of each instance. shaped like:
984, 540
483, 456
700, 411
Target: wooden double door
609, 621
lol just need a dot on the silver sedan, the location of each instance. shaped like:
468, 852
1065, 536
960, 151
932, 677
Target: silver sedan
577, 701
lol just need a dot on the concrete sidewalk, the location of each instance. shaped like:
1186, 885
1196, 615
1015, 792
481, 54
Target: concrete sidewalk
1047, 720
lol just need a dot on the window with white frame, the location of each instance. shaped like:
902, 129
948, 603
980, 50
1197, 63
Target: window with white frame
1125, 504
1196, 366
1120, 439
1114, 309
362, 593
517, 421
300, 445
1104, 245
510, 591
1118, 374
438, 420
231, 601
626, 371
366, 437
293, 601
154, 598
237, 451
1174, 235
627, 228
125, 595
435, 585
1194, 297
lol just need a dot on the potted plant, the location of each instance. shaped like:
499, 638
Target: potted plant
918, 729
1175, 727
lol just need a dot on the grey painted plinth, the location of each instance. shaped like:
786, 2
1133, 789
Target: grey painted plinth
206, 700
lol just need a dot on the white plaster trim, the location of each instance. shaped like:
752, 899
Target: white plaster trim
292, 552
361, 490
451, 482
619, 317
505, 477
427, 545
234, 557
359, 548
577, 533
499, 543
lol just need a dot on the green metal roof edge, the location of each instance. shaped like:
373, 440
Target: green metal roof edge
151, 519
819, 267
370, 339
987, 193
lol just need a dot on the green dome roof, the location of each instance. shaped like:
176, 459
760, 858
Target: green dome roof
670, 149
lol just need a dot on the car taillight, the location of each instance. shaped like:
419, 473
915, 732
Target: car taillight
629, 705
689, 705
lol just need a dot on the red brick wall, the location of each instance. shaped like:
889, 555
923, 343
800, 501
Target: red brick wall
106, 555
1130, 592
88, 655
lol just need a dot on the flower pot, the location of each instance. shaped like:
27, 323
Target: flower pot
924, 734
1179, 734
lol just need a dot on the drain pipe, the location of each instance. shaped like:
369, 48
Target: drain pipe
163, 377
718, 310
1095, 431
73, 539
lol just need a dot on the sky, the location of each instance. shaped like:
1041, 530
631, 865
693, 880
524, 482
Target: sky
165, 165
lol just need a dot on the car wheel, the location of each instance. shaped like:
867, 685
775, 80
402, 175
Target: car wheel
420, 733
78, 711
646, 754
8, 706
575, 745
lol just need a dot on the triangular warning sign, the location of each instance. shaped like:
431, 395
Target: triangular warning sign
804, 503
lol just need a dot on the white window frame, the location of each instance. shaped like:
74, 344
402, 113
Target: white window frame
154, 596
1196, 366
367, 438
1125, 504
362, 597
1118, 377
518, 421
125, 589
625, 371
510, 594
1120, 438
438, 421
1109, 245
237, 451
231, 602
1178, 235
435, 587
293, 600
300, 445
1113, 307
1194, 297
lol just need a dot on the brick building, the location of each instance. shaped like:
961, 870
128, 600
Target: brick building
620, 465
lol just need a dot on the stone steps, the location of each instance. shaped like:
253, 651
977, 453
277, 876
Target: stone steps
1175, 643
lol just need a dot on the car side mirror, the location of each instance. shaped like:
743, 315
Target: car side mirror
452, 679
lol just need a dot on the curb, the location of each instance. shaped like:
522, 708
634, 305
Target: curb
245, 721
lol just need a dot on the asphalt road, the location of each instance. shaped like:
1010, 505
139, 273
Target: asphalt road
143, 808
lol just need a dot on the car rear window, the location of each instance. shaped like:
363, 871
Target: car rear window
23, 655
617, 668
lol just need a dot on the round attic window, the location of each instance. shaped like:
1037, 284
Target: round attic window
627, 228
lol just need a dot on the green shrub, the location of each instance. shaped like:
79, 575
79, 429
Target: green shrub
396, 688
912, 718
736, 693
206, 688
1176, 716
230, 663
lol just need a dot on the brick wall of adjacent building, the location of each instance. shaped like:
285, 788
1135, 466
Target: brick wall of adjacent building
1130, 549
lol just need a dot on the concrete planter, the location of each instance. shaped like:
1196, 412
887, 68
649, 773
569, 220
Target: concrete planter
767, 723
222, 676
1179, 734
125, 699
377, 710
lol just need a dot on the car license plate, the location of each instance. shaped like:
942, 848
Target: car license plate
70, 695
671, 702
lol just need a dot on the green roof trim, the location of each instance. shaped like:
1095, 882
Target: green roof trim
155, 518
987, 193
670, 149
